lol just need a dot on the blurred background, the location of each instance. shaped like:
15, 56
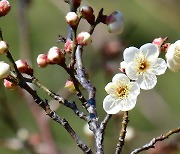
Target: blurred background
33, 26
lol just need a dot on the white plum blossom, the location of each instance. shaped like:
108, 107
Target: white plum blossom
122, 94
173, 56
143, 65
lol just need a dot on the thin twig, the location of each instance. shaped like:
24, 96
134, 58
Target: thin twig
154, 140
122, 135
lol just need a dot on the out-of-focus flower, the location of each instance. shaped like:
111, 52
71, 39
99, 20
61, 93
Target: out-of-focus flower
84, 38
115, 22
42, 60
9, 85
23, 134
23, 67
72, 19
122, 94
143, 65
87, 131
4, 7
130, 133
55, 56
4, 70
3, 47
173, 56
14, 144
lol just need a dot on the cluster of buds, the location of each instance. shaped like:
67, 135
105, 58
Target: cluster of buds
4, 7
54, 56
23, 67
87, 13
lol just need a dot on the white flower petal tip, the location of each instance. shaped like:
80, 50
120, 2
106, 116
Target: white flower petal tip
122, 94
173, 56
143, 65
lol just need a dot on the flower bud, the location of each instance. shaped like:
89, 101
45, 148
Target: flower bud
158, 42
23, 67
42, 60
4, 7
87, 13
123, 66
9, 85
83, 38
4, 70
115, 22
3, 47
70, 85
55, 56
68, 46
72, 19
173, 56
76, 3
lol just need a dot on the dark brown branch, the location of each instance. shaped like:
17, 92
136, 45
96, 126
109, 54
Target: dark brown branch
154, 140
120, 143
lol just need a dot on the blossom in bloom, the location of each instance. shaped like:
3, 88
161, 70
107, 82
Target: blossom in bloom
143, 65
173, 56
4, 70
83, 38
4, 7
3, 47
55, 56
122, 94
115, 22
72, 19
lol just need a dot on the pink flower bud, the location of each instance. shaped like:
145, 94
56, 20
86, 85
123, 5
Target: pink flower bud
4, 7
42, 60
69, 85
9, 85
55, 56
23, 67
158, 41
115, 22
3, 47
87, 13
83, 38
72, 19
4, 70
68, 46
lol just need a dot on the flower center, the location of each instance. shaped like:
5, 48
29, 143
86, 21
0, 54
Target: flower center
143, 65
122, 92
177, 53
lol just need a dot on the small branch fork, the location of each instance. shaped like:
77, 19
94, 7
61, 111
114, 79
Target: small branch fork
154, 140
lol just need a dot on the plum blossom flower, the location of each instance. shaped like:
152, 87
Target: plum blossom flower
143, 65
173, 56
122, 94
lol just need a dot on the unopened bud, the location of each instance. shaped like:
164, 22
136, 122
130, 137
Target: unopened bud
115, 22
83, 38
69, 85
23, 67
68, 46
55, 56
76, 3
158, 41
42, 60
123, 66
4, 70
72, 19
4, 7
9, 85
87, 13
3, 47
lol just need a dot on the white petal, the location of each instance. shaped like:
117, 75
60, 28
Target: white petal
147, 81
129, 54
127, 104
110, 88
120, 77
172, 66
160, 66
110, 105
135, 90
131, 71
150, 50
